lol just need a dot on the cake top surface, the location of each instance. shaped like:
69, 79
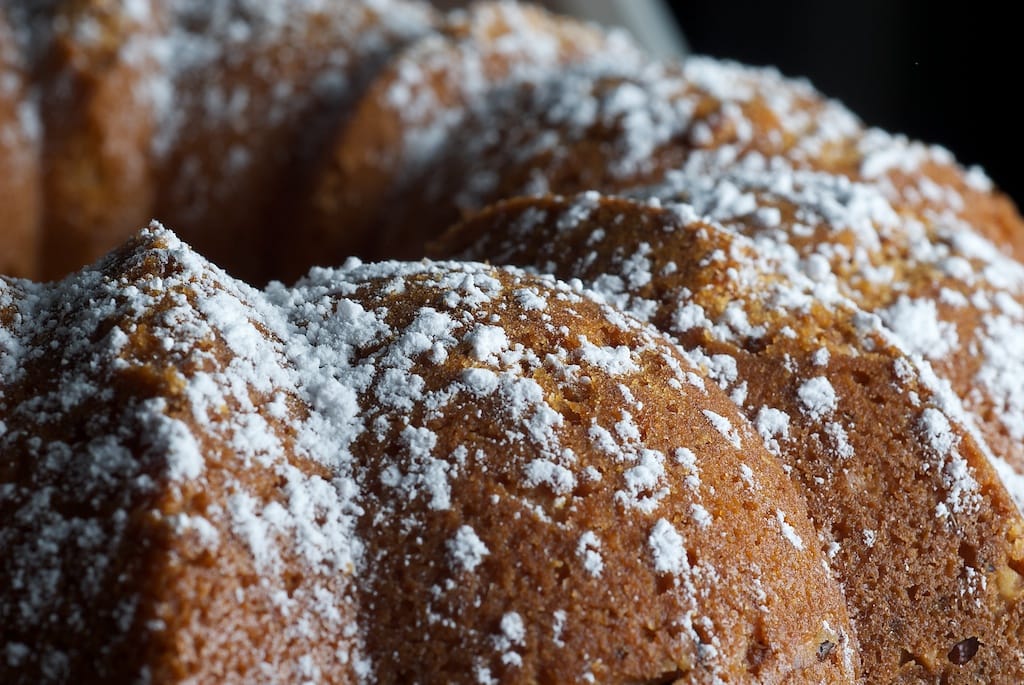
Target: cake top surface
843, 395
233, 65
343, 391
796, 239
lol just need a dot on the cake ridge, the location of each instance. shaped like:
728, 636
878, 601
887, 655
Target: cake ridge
255, 434
828, 385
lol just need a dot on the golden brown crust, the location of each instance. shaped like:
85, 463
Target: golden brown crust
472, 472
417, 104
208, 116
242, 162
627, 623
924, 264
521, 483
618, 127
142, 579
597, 123
897, 485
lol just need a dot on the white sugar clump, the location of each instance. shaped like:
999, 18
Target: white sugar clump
543, 472
589, 552
917, 325
423, 474
645, 482
487, 342
481, 382
513, 634
185, 460
701, 515
772, 425
817, 397
466, 550
938, 431
668, 549
788, 531
612, 360
723, 426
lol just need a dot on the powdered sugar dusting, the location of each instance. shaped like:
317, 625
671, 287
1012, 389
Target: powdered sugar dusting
668, 549
589, 552
724, 426
269, 400
467, 551
917, 325
817, 397
788, 531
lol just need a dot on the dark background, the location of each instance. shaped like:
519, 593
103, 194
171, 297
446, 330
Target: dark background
947, 73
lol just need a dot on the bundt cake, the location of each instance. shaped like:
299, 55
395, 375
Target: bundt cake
412, 468
947, 295
707, 382
855, 418
613, 125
